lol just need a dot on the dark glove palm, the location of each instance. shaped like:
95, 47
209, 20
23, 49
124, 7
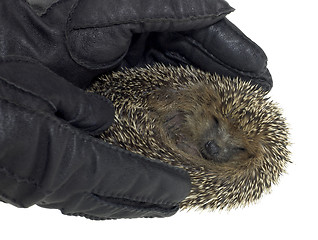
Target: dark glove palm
47, 159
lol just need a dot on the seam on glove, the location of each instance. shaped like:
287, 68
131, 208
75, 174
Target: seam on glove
34, 62
90, 217
52, 6
28, 61
96, 65
13, 200
17, 178
221, 12
31, 61
199, 46
22, 180
95, 218
135, 157
129, 203
137, 199
24, 91
119, 208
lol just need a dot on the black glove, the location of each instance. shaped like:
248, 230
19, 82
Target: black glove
47, 159
79, 39
42, 157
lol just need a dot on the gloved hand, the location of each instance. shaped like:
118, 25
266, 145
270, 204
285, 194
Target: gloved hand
79, 39
48, 158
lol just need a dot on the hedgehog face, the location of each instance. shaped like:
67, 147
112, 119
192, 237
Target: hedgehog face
213, 141
192, 119
217, 144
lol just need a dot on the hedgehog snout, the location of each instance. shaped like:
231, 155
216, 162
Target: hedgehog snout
212, 148
213, 152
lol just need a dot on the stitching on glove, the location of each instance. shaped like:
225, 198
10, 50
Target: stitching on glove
87, 138
21, 180
119, 208
223, 11
52, 6
29, 61
125, 197
129, 203
17, 178
24, 91
199, 46
91, 217
13, 200
95, 65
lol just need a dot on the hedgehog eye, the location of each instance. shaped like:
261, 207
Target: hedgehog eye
216, 121
240, 149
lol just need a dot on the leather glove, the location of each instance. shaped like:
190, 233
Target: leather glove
48, 157
79, 39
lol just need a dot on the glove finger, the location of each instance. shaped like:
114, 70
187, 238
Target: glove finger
64, 162
220, 48
33, 85
113, 174
99, 31
229, 44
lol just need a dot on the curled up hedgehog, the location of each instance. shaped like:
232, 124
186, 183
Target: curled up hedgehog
229, 137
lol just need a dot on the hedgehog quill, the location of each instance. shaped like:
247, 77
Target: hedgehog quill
226, 133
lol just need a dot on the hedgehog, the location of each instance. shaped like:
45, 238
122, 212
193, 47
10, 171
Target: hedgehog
225, 132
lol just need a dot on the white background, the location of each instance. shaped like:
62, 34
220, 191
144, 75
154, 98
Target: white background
287, 31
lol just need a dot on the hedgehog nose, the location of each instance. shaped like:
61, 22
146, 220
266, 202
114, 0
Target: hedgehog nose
212, 148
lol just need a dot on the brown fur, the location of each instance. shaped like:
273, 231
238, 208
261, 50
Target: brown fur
175, 114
